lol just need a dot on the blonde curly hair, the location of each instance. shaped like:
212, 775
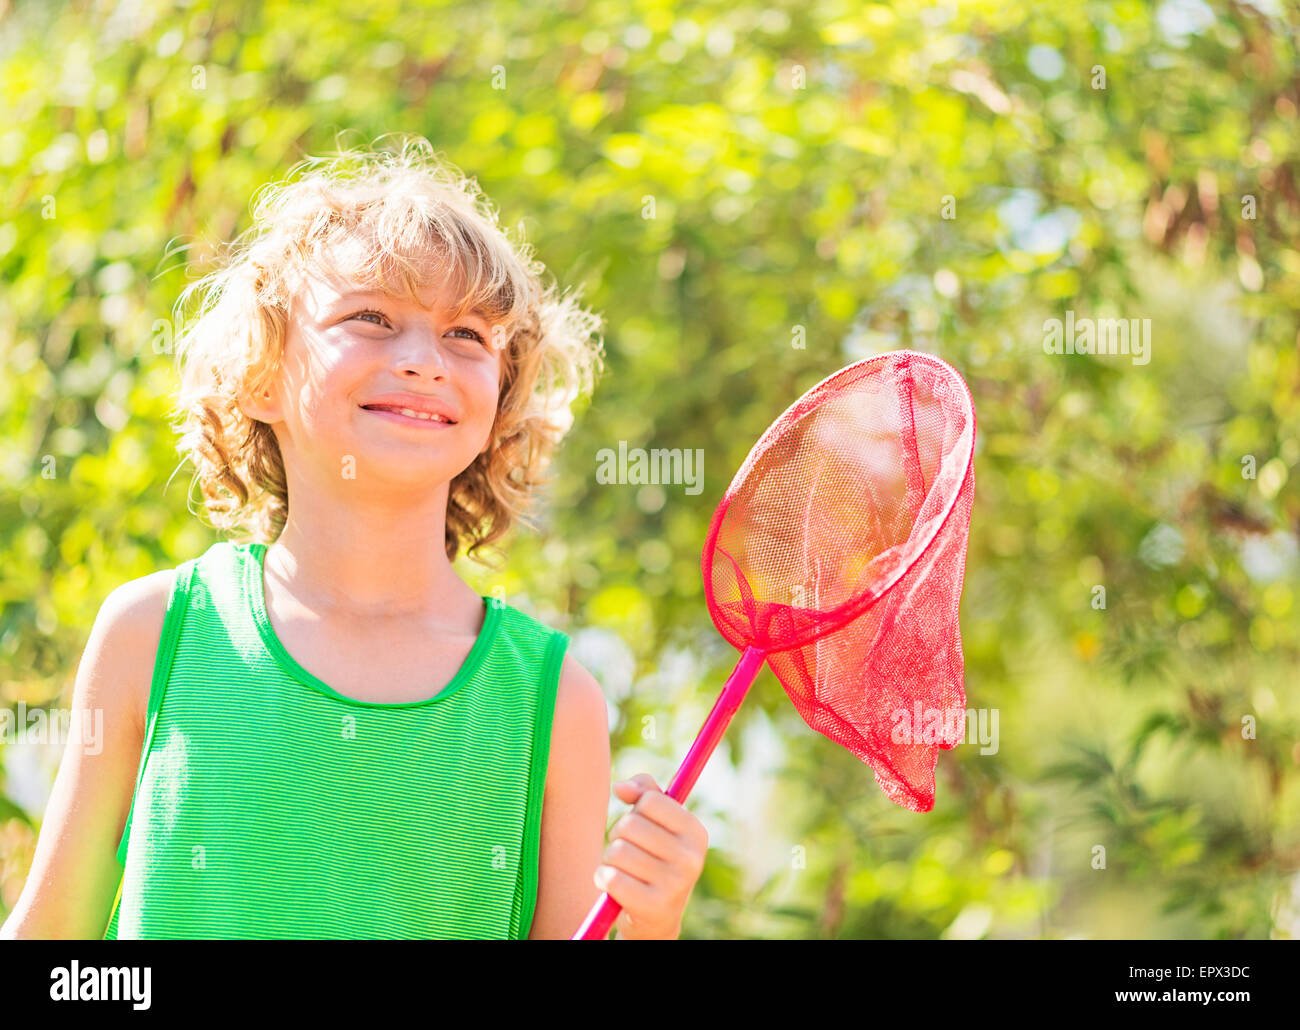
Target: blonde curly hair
419, 219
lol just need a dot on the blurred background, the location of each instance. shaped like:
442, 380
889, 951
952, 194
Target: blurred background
754, 195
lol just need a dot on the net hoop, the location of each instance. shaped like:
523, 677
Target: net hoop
962, 454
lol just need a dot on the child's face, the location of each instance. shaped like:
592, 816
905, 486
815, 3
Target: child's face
338, 358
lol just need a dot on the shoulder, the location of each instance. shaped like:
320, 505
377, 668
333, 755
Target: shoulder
580, 720
126, 635
537, 642
580, 726
578, 689
140, 604
579, 694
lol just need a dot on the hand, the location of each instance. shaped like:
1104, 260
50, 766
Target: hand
655, 856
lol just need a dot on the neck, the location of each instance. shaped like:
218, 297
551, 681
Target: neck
343, 555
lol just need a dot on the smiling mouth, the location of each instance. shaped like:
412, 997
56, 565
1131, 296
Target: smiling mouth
409, 415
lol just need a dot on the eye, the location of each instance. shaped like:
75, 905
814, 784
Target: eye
474, 333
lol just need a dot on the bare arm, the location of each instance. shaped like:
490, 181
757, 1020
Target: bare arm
74, 876
575, 806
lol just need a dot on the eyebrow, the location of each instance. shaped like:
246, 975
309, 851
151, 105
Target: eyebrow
357, 294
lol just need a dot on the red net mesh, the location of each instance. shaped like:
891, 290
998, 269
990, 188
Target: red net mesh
840, 548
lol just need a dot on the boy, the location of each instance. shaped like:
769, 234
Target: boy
330, 733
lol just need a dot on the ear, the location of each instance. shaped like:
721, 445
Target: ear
263, 405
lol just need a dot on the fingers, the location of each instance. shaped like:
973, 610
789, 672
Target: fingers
649, 836
632, 894
673, 817
638, 863
656, 855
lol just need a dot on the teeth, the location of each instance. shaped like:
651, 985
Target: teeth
421, 415
410, 413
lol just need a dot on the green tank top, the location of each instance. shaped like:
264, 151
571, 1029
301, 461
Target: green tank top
268, 805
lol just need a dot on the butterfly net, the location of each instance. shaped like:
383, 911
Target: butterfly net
840, 548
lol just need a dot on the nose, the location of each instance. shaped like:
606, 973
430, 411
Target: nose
420, 354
